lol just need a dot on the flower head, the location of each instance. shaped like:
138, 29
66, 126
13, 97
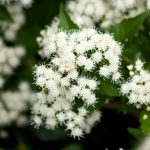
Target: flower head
88, 13
65, 80
137, 88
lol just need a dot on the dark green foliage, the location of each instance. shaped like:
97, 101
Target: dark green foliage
126, 30
65, 21
4, 14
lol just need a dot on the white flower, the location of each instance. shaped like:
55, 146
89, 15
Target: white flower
61, 117
91, 100
92, 84
37, 120
88, 13
51, 123
75, 90
97, 57
13, 105
92, 119
82, 111
65, 80
137, 88
77, 132
102, 47
85, 93
9, 60
104, 71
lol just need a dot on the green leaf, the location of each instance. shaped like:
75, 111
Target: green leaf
125, 107
145, 122
135, 132
109, 89
65, 21
75, 146
126, 30
4, 14
49, 135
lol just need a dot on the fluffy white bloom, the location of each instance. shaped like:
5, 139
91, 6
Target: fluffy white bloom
80, 43
65, 80
137, 88
87, 13
13, 104
51, 113
94, 117
9, 59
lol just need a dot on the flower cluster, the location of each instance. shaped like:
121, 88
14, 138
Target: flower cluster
22, 3
137, 88
15, 9
86, 48
53, 112
10, 29
87, 13
9, 59
65, 80
13, 104
47, 34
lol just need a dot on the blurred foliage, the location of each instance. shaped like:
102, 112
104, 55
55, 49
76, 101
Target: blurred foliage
4, 14
73, 147
145, 122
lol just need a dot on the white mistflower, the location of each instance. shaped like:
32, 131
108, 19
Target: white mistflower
65, 80
37, 120
9, 60
45, 33
14, 104
88, 13
102, 46
51, 123
61, 117
82, 111
77, 132
10, 29
94, 117
137, 88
